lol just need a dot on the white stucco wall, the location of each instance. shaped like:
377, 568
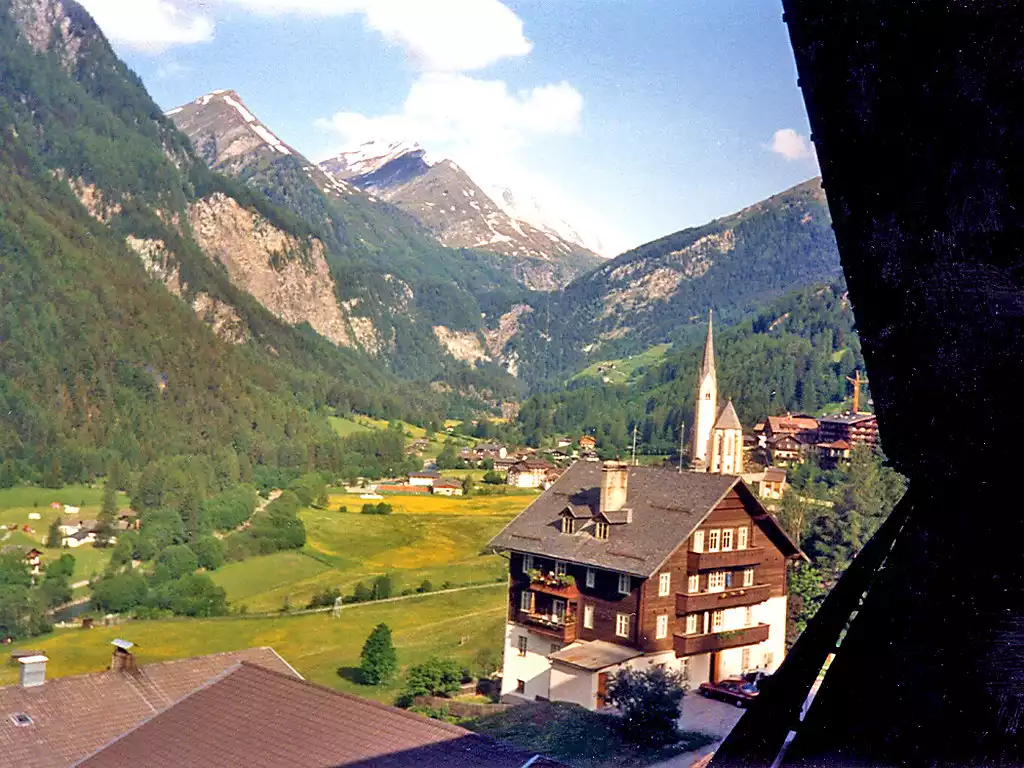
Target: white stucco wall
577, 686
773, 613
705, 418
533, 668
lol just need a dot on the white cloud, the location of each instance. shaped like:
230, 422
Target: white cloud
791, 145
460, 113
151, 26
438, 35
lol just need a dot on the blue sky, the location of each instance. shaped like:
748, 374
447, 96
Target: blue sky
634, 118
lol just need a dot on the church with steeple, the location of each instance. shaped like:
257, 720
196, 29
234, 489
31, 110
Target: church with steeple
717, 432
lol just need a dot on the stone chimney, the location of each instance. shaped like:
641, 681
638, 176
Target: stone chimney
33, 671
614, 479
123, 660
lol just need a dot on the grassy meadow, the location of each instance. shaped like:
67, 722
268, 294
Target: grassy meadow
457, 625
427, 537
16, 504
435, 538
625, 368
355, 424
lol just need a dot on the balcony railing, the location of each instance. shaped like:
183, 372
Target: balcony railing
713, 601
687, 645
550, 584
564, 630
707, 561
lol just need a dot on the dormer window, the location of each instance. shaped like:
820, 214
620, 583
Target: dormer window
601, 530
568, 525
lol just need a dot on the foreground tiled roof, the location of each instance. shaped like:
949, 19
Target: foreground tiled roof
666, 507
256, 718
73, 716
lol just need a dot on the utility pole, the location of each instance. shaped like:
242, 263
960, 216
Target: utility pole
634, 444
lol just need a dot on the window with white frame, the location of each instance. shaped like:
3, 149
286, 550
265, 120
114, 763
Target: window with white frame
559, 568
698, 541
522, 645
664, 584
748, 617
691, 624
727, 539
693, 583
588, 616
745, 660
591, 578
684, 667
741, 537
661, 627
717, 620
622, 624
624, 586
527, 563
748, 577
716, 581
714, 540
525, 600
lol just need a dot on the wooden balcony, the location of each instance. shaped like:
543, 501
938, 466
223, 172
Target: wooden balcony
565, 592
564, 631
687, 645
734, 558
713, 601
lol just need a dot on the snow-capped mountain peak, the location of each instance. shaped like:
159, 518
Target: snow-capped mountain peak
371, 156
530, 210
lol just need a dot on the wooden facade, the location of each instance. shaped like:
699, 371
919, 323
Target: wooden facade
644, 603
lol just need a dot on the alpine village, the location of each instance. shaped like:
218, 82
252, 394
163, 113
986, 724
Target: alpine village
359, 463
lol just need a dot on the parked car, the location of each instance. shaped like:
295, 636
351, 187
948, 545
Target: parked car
734, 690
757, 677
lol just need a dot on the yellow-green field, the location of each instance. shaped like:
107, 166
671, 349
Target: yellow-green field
349, 426
435, 538
16, 504
456, 625
625, 368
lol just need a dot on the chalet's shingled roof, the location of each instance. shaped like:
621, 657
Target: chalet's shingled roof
73, 716
257, 718
666, 506
792, 423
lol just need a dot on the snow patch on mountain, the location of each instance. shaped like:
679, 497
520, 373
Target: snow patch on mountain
530, 210
371, 156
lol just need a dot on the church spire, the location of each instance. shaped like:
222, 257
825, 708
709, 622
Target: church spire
708, 365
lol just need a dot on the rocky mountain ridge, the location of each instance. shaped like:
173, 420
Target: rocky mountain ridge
442, 196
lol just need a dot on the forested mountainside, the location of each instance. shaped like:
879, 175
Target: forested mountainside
122, 337
661, 292
792, 355
410, 301
443, 197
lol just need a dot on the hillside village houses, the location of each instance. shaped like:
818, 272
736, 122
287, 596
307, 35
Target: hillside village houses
623, 566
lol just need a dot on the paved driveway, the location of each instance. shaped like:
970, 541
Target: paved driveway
714, 718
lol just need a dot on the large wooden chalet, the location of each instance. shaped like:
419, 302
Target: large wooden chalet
616, 565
